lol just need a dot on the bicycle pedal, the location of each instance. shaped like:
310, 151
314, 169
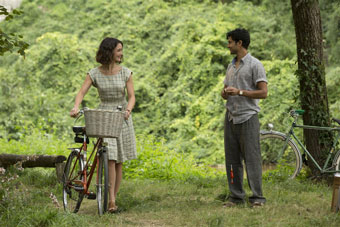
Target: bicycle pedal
92, 195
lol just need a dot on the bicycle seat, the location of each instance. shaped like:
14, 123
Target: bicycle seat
336, 120
78, 129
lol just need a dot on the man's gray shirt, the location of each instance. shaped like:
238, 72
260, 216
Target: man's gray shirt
245, 77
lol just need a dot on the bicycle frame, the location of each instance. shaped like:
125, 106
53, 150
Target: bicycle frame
291, 133
87, 177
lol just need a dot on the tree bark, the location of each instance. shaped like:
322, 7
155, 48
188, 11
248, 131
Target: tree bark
311, 75
28, 161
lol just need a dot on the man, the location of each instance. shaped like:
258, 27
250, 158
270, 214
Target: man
245, 83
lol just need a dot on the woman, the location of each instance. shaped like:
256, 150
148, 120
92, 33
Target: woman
111, 80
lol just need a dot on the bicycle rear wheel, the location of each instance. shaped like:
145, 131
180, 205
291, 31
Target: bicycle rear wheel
282, 158
72, 193
102, 181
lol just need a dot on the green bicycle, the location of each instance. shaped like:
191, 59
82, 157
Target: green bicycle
282, 154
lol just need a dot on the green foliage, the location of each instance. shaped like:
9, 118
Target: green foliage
333, 88
189, 74
156, 161
11, 41
178, 63
283, 90
282, 173
331, 20
34, 141
40, 93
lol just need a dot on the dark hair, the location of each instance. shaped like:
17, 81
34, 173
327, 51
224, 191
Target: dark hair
240, 34
105, 51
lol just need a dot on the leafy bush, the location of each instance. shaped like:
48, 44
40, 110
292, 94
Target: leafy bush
283, 91
35, 142
333, 87
156, 161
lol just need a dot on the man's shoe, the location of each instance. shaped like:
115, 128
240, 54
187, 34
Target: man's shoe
229, 204
257, 204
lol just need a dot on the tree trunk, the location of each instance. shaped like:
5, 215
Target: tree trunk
27, 161
311, 75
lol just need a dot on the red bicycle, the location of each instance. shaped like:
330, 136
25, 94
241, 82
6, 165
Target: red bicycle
80, 170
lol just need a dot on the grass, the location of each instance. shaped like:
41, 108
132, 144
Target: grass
25, 201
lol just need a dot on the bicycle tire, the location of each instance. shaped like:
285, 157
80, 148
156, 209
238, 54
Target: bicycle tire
102, 182
283, 164
336, 160
72, 198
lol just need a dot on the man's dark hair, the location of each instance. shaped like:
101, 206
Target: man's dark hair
105, 51
240, 34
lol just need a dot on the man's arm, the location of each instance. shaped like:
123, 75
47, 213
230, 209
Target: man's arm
260, 93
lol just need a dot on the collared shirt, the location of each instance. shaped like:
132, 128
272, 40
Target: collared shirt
245, 77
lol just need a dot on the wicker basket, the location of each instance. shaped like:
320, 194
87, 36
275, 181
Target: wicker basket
103, 123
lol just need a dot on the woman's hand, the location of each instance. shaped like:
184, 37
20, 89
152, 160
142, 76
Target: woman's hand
127, 114
74, 112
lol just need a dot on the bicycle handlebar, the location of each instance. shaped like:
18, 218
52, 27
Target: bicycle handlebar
80, 113
295, 113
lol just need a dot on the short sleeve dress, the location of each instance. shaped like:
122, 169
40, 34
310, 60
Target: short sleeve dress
111, 90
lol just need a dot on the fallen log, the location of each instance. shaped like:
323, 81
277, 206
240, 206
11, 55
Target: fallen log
30, 161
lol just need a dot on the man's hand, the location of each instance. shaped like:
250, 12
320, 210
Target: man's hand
224, 94
231, 91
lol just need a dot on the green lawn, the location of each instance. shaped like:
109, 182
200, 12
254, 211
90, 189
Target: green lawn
25, 201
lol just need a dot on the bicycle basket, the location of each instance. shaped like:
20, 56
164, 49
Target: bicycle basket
103, 123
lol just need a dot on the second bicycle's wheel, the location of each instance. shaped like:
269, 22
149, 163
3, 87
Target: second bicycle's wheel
72, 195
102, 182
336, 161
282, 159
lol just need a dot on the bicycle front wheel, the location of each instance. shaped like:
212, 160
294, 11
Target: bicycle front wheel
102, 181
72, 193
281, 157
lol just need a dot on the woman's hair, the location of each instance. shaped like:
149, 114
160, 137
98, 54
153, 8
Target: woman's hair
105, 51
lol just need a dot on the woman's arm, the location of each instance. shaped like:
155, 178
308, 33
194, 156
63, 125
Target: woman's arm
131, 97
79, 98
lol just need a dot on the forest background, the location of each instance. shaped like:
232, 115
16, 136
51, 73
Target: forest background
178, 53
